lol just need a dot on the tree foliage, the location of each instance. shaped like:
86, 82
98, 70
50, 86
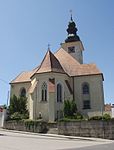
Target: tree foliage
18, 106
70, 108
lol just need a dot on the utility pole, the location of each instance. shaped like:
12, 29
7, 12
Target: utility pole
7, 99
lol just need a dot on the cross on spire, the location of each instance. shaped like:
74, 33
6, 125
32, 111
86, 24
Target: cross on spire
48, 46
71, 15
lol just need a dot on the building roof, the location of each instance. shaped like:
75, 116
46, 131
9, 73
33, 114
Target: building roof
60, 62
108, 107
24, 76
51, 85
32, 88
72, 67
50, 64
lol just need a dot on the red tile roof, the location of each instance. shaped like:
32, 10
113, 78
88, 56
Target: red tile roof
73, 67
50, 64
60, 62
24, 76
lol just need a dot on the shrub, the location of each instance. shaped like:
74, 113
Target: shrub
40, 124
67, 120
70, 108
106, 117
16, 116
79, 116
96, 118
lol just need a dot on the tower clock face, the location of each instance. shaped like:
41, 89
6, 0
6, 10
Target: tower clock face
71, 49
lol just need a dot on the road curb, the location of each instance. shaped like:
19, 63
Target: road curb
59, 136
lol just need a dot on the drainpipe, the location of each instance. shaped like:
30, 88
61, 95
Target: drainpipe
73, 89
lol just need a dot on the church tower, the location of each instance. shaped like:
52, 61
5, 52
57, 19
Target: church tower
73, 44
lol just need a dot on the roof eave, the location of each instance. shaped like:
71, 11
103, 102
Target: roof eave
89, 75
20, 82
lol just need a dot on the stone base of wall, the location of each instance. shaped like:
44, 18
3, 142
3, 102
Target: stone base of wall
96, 128
40, 127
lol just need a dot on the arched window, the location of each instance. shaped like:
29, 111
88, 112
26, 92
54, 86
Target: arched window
23, 92
59, 92
85, 88
44, 92
86, 96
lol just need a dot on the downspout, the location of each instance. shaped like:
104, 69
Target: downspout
73, 89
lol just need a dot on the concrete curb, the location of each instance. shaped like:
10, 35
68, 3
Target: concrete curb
59, 136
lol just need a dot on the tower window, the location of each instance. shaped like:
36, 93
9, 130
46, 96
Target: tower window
23, 92
44, 92
59, 92
71, 49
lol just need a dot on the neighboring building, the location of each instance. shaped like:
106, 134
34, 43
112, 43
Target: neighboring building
62, 76
3, 115
112, 110
109, 108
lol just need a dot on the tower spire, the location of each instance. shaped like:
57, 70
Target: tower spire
72, 31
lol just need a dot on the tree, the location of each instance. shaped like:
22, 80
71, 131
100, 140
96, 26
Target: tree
18, 107
14, 105
70, 108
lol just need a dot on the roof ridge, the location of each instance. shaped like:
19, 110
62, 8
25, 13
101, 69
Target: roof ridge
50, 63
50, 53
67, 54
42, 61
51, 60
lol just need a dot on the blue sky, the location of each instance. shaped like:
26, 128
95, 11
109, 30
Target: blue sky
27, 26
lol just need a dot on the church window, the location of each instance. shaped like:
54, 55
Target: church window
85, 88
44, 92
86, 104
23, 92
59, 92
71, 49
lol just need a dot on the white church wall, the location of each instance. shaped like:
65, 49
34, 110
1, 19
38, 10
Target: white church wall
15, 88
48, 108
96, 94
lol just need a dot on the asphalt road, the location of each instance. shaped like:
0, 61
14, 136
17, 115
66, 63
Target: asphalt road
109, 146
10, 140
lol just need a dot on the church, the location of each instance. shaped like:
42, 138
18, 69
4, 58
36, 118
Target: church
61, 76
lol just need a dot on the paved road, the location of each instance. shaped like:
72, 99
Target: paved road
25, 141
108, 146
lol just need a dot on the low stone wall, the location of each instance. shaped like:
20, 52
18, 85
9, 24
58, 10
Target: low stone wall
40, 127
93, 128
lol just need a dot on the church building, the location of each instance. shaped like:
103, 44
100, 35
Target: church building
61, 76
